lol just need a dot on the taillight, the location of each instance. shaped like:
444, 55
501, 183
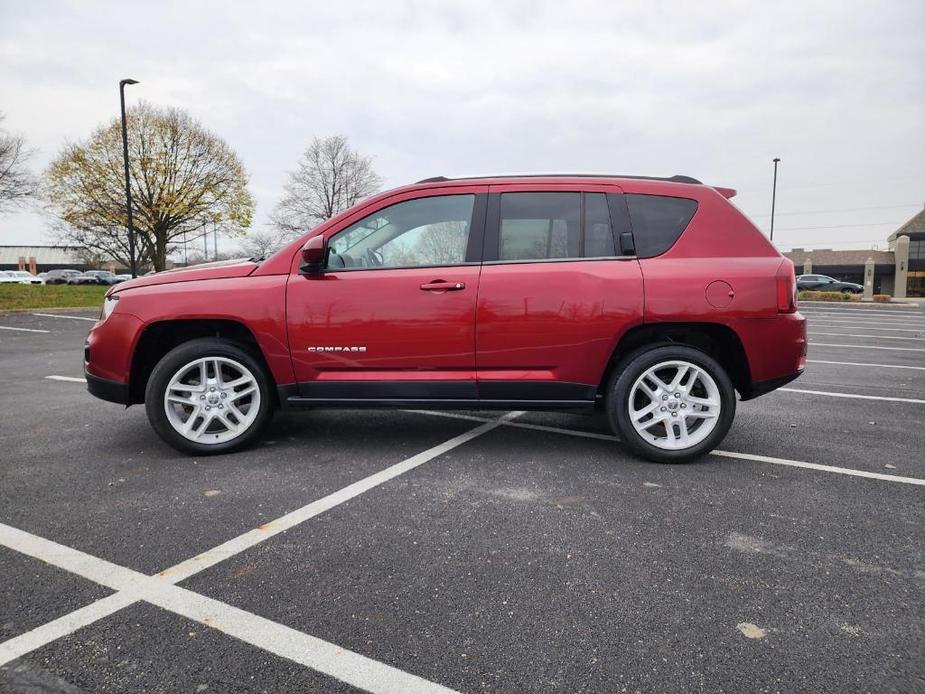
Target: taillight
786, 287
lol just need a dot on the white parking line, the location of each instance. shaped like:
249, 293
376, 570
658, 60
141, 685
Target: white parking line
895, 349
852, 396
843, 308
240, 543
56, 315
69, 379
886, 323
858, 363
835, 324
23, 330
21, 645
821, 468
876, 337
286, 642
160, 590
849, 315
726, 454
133, 586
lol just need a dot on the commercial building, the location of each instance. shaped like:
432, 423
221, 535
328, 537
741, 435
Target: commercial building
898, 271
37, 259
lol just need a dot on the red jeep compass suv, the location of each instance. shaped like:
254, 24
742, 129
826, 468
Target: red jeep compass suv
654, 298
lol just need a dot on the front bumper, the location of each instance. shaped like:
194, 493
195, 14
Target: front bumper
104, 389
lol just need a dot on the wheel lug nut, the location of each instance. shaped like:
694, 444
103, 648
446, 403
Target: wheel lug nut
683, 404
208, 408
224, 395
677, 395
221, 406
212, 389
664, 409
674, 414
664, 397
202, 397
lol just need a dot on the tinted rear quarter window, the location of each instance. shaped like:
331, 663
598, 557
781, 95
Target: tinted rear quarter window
658, 221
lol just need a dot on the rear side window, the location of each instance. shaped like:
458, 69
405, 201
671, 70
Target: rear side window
658, 221
536, 226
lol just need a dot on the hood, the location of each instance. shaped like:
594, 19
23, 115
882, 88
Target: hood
206, 271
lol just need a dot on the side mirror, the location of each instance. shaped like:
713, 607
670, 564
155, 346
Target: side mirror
314, 255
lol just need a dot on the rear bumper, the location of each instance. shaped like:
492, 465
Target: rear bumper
763, 387
775, 348
104, 389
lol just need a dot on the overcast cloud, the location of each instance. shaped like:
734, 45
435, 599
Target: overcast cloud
712, 90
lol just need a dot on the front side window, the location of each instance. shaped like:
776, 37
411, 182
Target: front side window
415, 233
536, 226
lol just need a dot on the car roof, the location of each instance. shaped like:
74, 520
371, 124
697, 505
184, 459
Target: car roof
677, 178
659, 184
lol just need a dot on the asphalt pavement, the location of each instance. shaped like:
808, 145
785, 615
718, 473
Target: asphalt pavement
399, 551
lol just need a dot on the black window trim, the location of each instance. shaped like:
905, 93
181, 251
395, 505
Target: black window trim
491, 249
473, 245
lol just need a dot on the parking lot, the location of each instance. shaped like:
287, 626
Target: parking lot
477, 551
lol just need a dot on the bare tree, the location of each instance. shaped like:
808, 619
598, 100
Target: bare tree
443, 243
185, 181
262, 243
17, 184
330, 178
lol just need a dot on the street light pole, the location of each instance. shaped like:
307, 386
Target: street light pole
128, 186
774, 196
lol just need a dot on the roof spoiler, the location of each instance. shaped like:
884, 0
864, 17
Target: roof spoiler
725, 192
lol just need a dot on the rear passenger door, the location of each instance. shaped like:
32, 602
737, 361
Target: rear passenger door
556, 292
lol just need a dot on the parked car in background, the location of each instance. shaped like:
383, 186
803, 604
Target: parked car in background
60, 276
19, 277
655, 300
824, 283
94, 277
122, 278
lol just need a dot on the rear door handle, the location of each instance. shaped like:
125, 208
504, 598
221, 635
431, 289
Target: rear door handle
443, 286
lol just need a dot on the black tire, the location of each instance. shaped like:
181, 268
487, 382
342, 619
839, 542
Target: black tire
635, 365
186, 353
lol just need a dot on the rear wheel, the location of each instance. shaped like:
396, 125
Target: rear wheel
208, 396
671, 404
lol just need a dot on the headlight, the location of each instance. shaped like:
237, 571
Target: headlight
109, 303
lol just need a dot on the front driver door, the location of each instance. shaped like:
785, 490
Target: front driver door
393, 315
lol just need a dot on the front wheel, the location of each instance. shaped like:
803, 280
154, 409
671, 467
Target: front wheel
671, 404
208, 396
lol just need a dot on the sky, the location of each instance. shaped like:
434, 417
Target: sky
711, 90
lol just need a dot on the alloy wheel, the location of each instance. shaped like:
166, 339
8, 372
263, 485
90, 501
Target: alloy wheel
674, 405
212, 400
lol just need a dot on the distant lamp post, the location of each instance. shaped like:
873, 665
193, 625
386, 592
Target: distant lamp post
774, 196
128, 186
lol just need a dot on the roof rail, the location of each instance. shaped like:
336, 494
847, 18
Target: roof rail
677, 178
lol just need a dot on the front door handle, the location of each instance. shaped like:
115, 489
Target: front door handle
443, 286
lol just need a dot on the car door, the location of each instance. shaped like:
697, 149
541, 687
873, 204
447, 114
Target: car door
392, 317
556, 292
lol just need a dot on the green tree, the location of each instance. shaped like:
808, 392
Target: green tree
184, 180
